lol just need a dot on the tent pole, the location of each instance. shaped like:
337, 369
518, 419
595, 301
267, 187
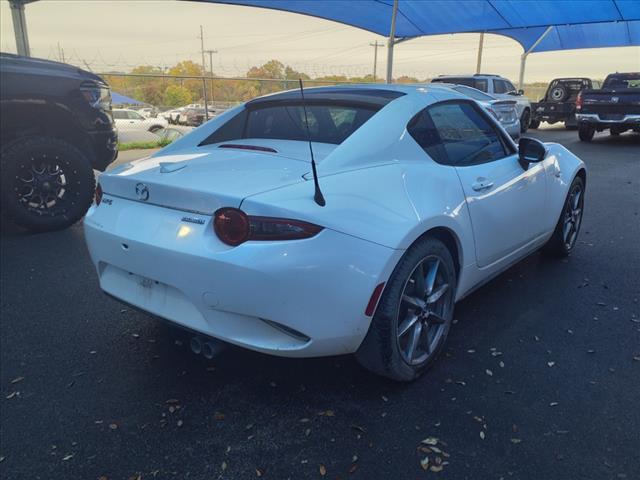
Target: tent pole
20, 27
391, 41
523, 58
480, 45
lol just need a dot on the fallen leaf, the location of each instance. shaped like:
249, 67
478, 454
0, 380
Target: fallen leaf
516, 440
258, 472
424, 463
113, 426
172, 400
223, 466
489, 372
11, 395
481, 434
218, 416
179, 423
17, 379
553, 404
430, 441
353, 468
359, 428
436, 468
323, 470
68, 456
551, 364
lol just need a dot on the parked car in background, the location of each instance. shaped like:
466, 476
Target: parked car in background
559, 101
505, 111
193, 117
131, 120
614, 107
56, 129
173, 116
497, 86
418, 199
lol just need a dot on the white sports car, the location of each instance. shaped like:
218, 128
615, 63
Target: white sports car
420, 197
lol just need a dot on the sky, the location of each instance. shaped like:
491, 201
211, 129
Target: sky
108, 35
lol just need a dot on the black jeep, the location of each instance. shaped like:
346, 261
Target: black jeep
559, 102
56, 129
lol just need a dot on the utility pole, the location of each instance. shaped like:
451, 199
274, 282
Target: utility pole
211, 52
479, 59
204, 79
20, 26
375, 46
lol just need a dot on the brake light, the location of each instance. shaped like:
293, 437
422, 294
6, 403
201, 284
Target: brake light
234, 227
579, 101
98, 195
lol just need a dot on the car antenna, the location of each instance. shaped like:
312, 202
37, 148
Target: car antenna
318, 197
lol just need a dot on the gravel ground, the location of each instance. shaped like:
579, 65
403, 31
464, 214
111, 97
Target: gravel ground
540, 379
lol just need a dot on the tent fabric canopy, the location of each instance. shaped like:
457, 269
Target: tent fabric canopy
578, 23
119, 99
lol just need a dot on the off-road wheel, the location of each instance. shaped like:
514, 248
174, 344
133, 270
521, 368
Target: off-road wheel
414, 314
47, 183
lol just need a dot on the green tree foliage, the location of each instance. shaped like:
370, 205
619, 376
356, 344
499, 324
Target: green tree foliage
176, 96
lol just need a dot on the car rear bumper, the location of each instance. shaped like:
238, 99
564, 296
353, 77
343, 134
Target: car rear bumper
297, 298
631, 120
105, 148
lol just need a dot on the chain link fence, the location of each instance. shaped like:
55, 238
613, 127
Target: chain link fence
166, 92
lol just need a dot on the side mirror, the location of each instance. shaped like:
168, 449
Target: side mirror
530, 150
520, 92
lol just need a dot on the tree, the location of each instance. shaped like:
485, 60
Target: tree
176, 96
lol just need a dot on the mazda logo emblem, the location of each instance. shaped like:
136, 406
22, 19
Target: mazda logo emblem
142, 192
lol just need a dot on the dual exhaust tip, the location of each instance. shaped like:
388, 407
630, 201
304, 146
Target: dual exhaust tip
208, 348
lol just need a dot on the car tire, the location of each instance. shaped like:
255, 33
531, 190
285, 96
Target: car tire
386, 350
47, 183
534, 124
525, 120
586, 132
565, 234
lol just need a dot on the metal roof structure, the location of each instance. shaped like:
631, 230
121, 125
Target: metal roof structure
538, 26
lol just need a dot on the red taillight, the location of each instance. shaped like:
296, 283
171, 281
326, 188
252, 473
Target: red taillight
231, 225
579, 101
98, 196
234, 227
373, 301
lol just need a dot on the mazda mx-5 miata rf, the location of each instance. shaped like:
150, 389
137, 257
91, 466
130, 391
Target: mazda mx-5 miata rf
418, 198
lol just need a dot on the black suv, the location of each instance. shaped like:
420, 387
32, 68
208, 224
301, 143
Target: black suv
559, 102
56, 129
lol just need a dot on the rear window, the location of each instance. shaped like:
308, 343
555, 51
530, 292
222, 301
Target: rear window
622, 81
477, 83
328, 123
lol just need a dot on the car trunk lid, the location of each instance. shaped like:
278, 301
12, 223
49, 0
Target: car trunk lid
204, 179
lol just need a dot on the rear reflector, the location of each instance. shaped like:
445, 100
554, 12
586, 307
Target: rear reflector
98, 196
373, 301
249, 147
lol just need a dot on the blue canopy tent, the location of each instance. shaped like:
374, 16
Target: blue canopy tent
539, 26
119, 99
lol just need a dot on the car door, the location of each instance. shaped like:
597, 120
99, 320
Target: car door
505, 201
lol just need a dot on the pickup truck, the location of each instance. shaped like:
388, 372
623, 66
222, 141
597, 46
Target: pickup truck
559, 102
616, 106
57, 128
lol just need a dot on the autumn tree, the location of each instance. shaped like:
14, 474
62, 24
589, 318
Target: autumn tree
176, 96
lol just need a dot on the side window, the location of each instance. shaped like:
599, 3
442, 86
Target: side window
424, 132
499, 86
466, 136
481, 84
120, 115
510, 87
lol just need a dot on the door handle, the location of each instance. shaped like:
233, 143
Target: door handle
482, 185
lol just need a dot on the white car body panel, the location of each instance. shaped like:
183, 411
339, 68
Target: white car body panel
383, 192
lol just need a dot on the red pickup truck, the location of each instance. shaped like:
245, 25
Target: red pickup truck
614, 107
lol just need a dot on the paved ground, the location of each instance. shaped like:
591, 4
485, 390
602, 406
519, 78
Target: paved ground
539, 380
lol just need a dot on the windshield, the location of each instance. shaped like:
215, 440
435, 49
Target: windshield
622, 81
328, 123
